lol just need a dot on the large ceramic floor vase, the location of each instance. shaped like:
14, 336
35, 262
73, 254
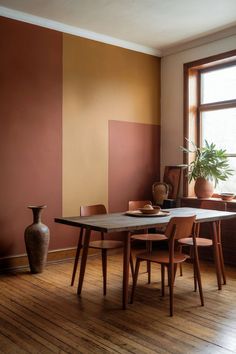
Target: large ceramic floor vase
37, 237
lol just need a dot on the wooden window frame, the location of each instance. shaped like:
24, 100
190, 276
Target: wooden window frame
192, 104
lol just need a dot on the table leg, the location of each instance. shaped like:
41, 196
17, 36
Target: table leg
79, 247
83, 260
197, 273
216, 254
126, 269
222, 266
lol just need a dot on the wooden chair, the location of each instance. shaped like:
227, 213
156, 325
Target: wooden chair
103, 245
145, 236
177, 228
206, 242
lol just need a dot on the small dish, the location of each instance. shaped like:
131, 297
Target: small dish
157, 207
150, 211
138, 213
227, 196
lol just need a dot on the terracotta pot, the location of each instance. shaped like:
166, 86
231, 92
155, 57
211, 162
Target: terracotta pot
37, 237
203, 188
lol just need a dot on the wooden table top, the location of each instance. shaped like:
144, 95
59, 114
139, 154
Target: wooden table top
117, 222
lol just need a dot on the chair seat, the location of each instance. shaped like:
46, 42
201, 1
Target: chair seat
162, 257
106, 244
148, 237
200, 241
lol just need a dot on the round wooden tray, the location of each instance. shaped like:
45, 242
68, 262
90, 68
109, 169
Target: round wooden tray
138, 213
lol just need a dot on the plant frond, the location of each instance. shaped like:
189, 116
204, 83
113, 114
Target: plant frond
210, 163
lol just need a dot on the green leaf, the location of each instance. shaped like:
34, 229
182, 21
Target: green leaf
209, 162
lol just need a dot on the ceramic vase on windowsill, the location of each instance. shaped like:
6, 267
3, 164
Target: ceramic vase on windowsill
209, 165
37, 237
203, 188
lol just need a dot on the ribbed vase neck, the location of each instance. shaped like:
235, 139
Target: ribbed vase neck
37, 210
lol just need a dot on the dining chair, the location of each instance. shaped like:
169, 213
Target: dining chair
177, 228
103, 245
206, 242
144, 235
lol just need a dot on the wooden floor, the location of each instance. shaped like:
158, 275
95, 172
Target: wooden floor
43, 314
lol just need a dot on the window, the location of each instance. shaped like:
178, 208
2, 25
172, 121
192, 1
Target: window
210, 108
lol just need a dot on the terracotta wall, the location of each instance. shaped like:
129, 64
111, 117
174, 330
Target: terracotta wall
58, 94
134, 160
31, 132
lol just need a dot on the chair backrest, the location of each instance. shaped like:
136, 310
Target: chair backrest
180, 227
136, 204
90, 210
214, 205
172, 177
177, 228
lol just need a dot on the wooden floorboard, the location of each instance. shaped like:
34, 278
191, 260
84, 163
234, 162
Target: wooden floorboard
42, 313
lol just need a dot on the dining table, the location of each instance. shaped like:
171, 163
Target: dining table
127, 222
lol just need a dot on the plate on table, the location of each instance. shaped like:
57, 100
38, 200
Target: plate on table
159, 213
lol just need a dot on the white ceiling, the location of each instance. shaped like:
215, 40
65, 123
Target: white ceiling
160, 25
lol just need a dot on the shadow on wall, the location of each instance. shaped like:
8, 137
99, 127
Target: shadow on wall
6, 249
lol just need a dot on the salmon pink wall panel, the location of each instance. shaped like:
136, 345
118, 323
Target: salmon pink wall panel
134, 162
31, 131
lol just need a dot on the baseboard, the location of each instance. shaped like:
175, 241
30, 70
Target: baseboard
12, 263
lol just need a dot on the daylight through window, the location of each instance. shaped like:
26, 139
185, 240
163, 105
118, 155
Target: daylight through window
210, 109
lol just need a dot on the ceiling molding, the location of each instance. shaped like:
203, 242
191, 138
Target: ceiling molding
80, 32
228, 32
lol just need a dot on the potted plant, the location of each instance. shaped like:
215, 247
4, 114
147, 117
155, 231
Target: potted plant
210, 165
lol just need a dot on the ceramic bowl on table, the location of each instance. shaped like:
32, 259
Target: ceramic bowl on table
150, 210
227, 196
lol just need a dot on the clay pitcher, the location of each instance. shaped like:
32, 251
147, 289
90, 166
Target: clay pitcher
37, 237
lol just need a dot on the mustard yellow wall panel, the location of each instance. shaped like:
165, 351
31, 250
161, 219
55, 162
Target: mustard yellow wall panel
100, 83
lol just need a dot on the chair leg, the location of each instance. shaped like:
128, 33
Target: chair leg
180, 270
194, 276
149, 250
175, 270
171, 287
198, 275
135, 280
192, 257
180, 248
194, 268
104, 270
222, 263
79, 246
131, 265
162, 280
149, 272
